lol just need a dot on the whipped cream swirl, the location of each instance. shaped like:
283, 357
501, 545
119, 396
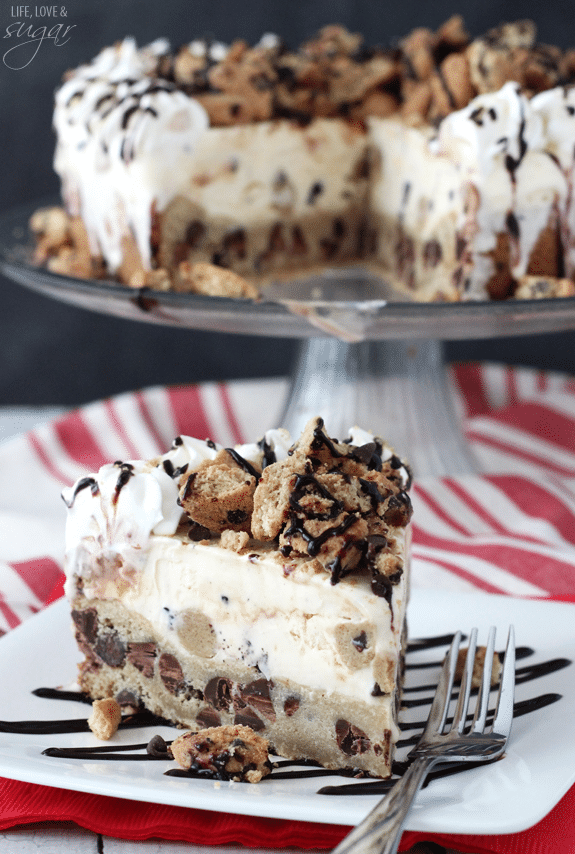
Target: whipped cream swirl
125, 136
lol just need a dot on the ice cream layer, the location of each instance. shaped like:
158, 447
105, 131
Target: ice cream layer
284, 619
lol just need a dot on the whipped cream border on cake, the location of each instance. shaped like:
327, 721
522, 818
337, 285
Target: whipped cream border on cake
125, 138
502, 149
112, 514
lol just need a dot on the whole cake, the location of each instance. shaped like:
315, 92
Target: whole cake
445, 163
262, 586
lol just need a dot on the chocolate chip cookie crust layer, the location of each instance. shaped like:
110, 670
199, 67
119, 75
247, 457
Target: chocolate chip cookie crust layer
126, 660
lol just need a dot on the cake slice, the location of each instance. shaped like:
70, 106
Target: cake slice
262, 586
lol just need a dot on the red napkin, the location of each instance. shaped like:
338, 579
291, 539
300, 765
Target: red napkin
26, 803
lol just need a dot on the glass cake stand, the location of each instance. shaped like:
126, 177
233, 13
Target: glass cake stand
366, 355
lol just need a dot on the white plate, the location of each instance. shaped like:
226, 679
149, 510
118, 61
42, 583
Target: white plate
504, 797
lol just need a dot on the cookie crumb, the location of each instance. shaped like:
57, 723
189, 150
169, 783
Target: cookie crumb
105, 718
478, 666
234, 540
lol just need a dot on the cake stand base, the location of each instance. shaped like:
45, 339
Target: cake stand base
400, 390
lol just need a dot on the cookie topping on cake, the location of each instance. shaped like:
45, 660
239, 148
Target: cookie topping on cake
337, 503
333, 502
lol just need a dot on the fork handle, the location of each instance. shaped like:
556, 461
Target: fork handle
380, 830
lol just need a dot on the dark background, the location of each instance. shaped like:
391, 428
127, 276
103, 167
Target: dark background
51, 353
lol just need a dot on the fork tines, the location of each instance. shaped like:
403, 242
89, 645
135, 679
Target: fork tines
480, 667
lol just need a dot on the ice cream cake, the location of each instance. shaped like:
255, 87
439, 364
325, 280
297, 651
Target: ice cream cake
263, 586
445, 162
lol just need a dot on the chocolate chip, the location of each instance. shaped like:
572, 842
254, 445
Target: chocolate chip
257, 695
171, 673
276, 241
218, 692
235, 242
364, 453
298, 246
362, 169
432, 253
110, 649
360, 642
87, 623
208, 717
315, 190
158, 748
376, 690
385, 746
405, 253
236, 517
351, 739
247, 717
143, 657
197, 532
194, 232
128, 698
399, 510
291, 706
329, 247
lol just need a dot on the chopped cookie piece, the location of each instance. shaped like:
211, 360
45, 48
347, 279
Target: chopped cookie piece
212, 281
223, 753
478, 666
335, 503
105, 718
51, 226
234, 540
219, 496
543, 287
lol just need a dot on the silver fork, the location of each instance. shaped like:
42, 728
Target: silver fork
380, 831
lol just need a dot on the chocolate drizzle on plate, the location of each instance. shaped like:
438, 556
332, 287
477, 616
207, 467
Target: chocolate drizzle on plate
157, 749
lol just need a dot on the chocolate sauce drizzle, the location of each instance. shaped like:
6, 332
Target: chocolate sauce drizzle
126, 472
82, 484
269, 456
243, 463
157, 749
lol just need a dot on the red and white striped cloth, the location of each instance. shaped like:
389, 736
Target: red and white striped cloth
510, 530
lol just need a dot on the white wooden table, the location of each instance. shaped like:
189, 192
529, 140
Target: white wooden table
50, 838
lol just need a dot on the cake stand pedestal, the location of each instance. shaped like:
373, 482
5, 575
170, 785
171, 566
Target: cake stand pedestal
400, 390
